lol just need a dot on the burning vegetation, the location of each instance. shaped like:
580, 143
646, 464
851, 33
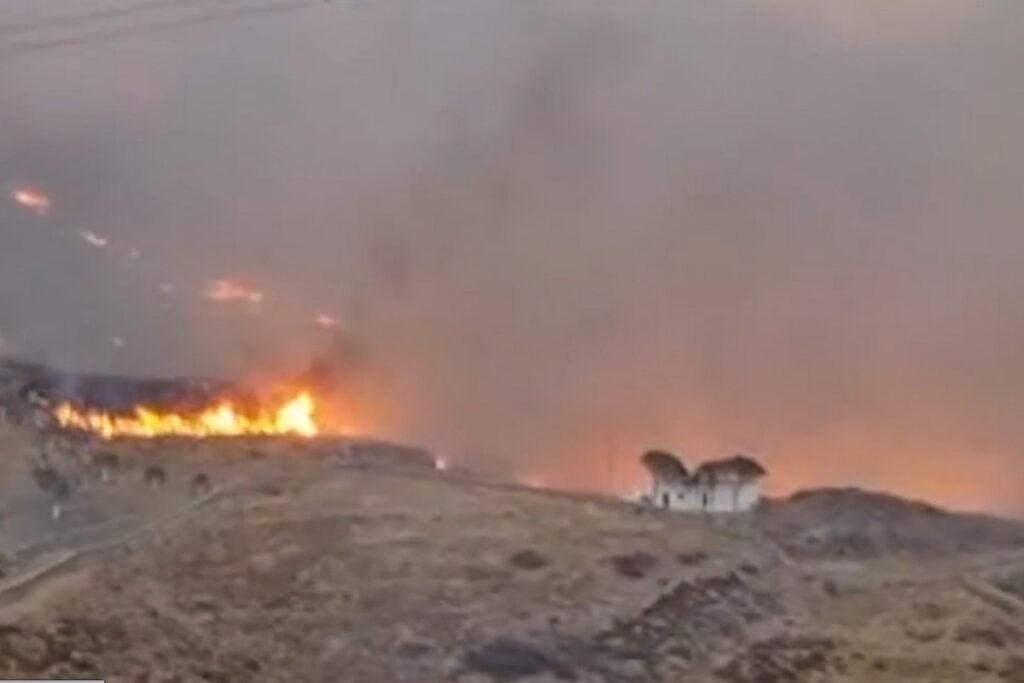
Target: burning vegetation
294, 417
306, 405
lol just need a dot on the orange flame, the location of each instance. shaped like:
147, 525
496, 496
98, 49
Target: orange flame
296, 417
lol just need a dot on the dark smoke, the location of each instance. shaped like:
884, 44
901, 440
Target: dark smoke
558, 234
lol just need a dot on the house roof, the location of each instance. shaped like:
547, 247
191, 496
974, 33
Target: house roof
664, 466
738, 465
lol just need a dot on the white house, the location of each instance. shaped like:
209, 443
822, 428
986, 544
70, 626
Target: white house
729, 485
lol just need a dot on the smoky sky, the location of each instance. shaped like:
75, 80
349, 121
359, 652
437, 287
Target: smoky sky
557, 233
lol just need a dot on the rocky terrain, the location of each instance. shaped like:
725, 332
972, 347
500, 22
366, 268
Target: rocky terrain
286, 561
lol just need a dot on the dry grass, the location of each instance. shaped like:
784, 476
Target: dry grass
305, 571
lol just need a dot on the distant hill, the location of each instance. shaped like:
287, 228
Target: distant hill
852, 523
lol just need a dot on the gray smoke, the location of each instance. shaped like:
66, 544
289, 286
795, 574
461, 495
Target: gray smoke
559, 233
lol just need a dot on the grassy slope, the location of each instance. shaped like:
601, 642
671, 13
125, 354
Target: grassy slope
304, 572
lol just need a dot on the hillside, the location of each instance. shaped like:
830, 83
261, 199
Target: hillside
855, 524
299, 565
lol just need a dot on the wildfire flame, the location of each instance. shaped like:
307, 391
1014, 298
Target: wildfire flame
295, 417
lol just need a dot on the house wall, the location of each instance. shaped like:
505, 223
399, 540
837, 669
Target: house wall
734, 495
724, 496
666, 496
675, 497
688, 499
749, 495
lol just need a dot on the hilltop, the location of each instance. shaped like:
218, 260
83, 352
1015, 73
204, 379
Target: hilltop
110, 392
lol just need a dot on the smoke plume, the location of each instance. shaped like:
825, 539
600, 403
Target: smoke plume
551, 235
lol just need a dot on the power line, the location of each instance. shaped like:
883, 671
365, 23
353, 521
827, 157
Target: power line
72, 20
215, 17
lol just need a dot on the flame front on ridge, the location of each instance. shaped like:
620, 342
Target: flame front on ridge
295, 417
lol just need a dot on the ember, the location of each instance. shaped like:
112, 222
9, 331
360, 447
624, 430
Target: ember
32, 199
295, 417
326, 321
94, 239
225, 291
